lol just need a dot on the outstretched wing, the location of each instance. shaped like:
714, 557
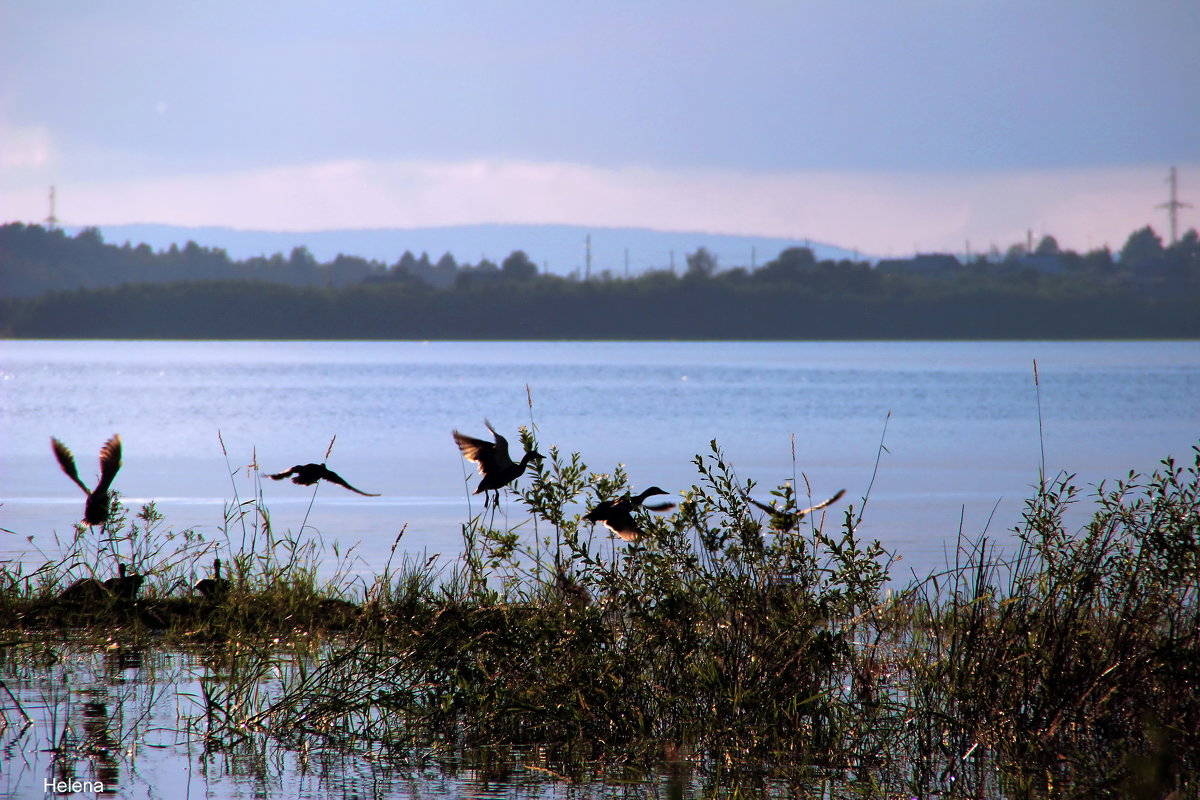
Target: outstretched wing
819, 506
477, 450
67, 462
659, 507
278, 476
501, 449
110, 462
761, 506
333, 477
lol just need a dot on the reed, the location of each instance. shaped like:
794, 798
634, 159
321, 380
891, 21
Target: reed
715, 648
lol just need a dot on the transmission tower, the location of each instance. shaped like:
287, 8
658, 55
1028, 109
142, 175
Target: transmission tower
52, 220
1173, 205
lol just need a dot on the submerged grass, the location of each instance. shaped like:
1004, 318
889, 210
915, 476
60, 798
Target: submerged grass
714, 649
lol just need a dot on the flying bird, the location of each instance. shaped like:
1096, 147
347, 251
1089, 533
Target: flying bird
617, 515
784, 520
95, 511
497, 469
308, 474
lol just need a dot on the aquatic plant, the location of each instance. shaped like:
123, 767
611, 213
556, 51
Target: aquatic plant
716, 647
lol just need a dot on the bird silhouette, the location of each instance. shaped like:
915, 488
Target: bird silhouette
95, 511
785, 519
89, 591
84, 591
215, 587
617, 515
497, 469
308, 474
125, 586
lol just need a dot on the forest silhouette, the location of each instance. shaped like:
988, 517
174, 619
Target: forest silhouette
60, 286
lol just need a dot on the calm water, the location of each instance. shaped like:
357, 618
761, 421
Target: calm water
961, 441
962, 438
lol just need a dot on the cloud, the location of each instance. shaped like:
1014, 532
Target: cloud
25, 147
880, 213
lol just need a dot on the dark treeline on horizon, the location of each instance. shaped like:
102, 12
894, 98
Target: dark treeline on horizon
56, 286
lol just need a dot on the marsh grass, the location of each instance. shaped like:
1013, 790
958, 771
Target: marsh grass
713, 650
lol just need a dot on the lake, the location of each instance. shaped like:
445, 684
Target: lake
959, 422
962, 437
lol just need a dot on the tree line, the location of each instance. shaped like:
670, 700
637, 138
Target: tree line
1147, 290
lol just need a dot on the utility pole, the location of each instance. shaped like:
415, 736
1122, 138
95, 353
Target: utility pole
626, 263
587, 272
1173, 205
52, 220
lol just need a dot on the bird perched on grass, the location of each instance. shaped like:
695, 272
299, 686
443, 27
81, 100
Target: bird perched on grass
617, 515
215, 587
95, 511
497, 469
785, 519
308, 474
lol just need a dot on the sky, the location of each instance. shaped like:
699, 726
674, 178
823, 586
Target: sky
884, 127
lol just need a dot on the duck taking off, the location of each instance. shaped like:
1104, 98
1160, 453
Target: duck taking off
95, 511
497, 469
308, 474
784, 520
617, 515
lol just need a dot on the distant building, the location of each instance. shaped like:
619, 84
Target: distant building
929, 265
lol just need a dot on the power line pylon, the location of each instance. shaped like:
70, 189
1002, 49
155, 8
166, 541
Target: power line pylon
1173, 205
52, 220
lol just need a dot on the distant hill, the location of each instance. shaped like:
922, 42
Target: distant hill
559, 249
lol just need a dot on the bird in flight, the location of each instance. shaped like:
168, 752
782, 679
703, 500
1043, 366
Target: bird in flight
96, 509
495, 465
617, 515
308, 474
784, 520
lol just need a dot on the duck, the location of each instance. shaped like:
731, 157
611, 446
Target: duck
84, 591
125, 586
617, 515
785, 520
495, 465
96, 509
308, 474
89, 591
214, 587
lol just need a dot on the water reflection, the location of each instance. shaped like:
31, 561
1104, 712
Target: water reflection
103, 719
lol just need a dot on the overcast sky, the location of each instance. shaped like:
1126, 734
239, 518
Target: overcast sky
882, 126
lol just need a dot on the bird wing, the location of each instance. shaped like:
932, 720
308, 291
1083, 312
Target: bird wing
819, 506
600, 512
110, 462
501, 447
67, 462
623, 525
278, 476
762, 506
484, 454
333, 477
660, 507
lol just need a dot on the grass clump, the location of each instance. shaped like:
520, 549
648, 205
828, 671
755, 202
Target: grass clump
727, 652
